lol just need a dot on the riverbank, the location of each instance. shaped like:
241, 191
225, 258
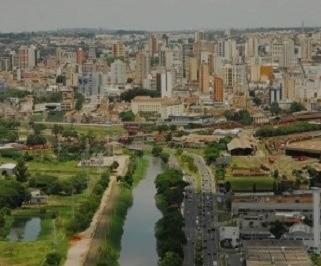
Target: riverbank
84, 246
109, 251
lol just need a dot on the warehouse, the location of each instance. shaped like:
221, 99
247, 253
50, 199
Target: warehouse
275, 252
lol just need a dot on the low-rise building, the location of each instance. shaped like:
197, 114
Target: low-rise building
164, 107
230, 234
7, 169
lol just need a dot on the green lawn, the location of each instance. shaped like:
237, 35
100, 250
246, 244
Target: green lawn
100, 131
245, 184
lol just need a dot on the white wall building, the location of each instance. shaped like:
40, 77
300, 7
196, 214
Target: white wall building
118, 72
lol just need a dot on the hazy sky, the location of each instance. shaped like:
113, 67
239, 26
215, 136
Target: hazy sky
26, 15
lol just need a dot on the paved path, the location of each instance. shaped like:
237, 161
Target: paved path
82, 246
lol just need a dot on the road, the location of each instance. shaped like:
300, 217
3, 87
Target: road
201, 219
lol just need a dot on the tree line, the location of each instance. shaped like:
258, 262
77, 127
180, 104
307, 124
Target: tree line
169, 229
288, 129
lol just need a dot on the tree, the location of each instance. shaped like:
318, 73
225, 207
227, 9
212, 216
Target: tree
12, 194
275, 108
21, 171
242, 116
80, 99
127, 116
157, 150
131, 94
171, 259
257, 101
61, 79
57, 129
114, 165
277, 229
296, 107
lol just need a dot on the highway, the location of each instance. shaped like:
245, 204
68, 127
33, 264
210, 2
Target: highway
201, 219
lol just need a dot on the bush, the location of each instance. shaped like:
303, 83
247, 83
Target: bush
36, 140
127, 116
242, 116
157, 150
53, 259
86, 210
12, 154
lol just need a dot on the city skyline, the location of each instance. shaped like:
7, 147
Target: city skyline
17, 16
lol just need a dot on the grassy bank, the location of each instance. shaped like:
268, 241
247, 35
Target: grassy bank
110, 251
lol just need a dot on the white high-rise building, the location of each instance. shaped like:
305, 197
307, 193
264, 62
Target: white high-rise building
251, 47
230, 50
167, 84
287, 56
118, 72
305, 48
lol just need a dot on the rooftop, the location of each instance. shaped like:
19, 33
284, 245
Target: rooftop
275, 252
313, 145
8, 166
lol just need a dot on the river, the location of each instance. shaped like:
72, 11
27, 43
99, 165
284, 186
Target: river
138, 241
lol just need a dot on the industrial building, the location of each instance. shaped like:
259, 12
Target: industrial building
275, 252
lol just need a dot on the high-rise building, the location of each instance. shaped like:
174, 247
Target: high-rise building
218, 93
32, 56
199, 36
118, 72
187, 53
167, 84
118, 49
80, 56
152, 44
230, 51
142, 67
235, 76
193, 69
287, 57
220, 48
92, 52
23, 57
91, 85
27, 57
166, 58
251, 47
306, 48
60, 54
204, 81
